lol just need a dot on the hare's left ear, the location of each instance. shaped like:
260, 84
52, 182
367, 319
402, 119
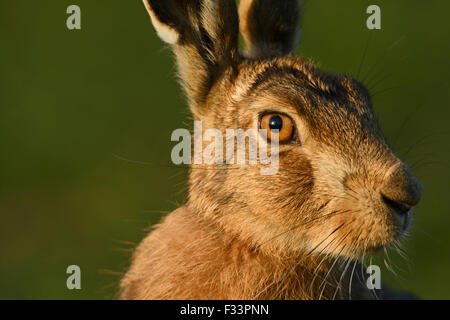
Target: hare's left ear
270, 27
204, 37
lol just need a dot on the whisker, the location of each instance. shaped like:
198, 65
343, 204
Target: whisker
364, 55
334, 263
385, 90
376, 64
347, 264
296, 264
334, 213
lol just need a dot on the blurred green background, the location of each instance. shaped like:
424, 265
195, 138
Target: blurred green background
86, 118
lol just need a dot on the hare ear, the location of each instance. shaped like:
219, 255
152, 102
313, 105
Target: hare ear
270, 27
204, 36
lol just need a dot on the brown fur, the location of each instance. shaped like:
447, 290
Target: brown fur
294, 235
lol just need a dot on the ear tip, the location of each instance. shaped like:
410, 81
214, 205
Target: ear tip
270, 27
164, 31
146, 4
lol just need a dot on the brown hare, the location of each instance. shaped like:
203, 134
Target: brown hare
340, 193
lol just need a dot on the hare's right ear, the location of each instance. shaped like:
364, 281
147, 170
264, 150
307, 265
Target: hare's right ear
204, 36
270, 27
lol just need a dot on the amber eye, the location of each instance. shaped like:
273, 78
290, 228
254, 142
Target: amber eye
278, 123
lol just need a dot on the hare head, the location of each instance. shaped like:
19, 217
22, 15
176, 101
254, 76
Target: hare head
339, 190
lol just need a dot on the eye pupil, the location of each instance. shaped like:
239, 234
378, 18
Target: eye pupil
277, 126
276, 123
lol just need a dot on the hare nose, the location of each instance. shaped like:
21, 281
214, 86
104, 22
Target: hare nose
402, 190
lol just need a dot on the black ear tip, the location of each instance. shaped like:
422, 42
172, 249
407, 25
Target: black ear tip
204, 35
270, 27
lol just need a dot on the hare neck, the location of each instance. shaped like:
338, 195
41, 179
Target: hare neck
239, 270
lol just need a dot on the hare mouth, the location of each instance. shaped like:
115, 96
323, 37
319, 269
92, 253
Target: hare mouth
405, 221
401, 213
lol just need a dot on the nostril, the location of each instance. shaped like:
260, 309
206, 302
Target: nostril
399, 207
